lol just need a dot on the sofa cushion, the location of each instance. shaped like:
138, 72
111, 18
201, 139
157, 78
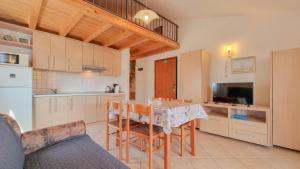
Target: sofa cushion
80, 152
11, 151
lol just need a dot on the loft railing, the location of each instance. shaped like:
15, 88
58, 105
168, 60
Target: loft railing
128, 8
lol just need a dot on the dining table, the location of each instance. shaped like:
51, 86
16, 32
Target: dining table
173, 114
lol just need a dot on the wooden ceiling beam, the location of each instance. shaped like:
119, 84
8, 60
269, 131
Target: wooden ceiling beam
98, 32
151, 48
35, 13
153, 52
73, 21
118, 38
130, 45
102, 15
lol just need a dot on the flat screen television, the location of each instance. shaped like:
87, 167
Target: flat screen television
234, 93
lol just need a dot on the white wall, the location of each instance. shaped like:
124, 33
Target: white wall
250, 36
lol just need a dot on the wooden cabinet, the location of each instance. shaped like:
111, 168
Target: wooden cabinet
285, 98
74, 55
90, 109
42, 107
60, 110
88, 54
52, 52
194, 74
256, 129
52, 110
58, 53
117, 63
98, 56
108, 59
76, 108
41, 50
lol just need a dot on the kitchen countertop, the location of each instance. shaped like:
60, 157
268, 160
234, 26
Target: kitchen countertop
95, 93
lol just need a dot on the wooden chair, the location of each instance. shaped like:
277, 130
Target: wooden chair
117, 122
146, 132
182, 134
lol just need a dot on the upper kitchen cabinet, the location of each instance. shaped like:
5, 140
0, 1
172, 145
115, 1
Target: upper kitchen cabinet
74, 51
108, 55
41, 50
98, 56
88, 54
117, 63
49, 51
58, 53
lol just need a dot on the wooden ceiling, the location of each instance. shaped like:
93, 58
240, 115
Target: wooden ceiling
83, 21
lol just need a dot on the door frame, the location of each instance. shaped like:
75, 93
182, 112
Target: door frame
176, 74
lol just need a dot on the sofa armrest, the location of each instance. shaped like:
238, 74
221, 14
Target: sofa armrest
37, 139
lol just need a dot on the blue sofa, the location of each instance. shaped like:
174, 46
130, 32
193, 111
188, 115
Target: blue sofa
60, 147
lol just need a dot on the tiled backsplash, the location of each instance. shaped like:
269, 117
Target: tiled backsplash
43, 81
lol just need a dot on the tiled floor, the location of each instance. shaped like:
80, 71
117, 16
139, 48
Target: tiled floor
213, 152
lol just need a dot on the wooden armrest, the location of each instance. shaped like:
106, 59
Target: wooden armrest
37, 139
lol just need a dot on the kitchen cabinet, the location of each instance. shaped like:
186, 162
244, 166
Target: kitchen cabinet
108, 59
74, 55
55, 110
98, 56
88, 54
49, 111
90, 109
42, 107
76, 108
117, 63
41, 50
58, 53
59, 111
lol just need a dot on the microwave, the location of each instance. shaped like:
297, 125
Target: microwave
14, 59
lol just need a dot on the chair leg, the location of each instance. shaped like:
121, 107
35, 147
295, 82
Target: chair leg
150, 152
117, 138
127, 147
182, 139
107, 137
120, 146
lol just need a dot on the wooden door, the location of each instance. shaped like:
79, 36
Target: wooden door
58, 53
117, 63
74, 55
286, 92
98, 56
42, 107
41, 50
90, 109
108, 55
60, 110
77, 108
166, 78
88, 54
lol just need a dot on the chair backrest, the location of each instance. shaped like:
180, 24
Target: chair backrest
140, 109
115, 106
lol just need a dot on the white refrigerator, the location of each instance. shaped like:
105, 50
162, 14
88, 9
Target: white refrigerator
16, 94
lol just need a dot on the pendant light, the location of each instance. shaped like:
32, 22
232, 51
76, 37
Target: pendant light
146, 15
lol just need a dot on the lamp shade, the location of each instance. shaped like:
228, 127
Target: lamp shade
146, 15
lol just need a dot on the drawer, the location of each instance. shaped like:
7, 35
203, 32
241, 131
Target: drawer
215, 125
248, 136
251, 126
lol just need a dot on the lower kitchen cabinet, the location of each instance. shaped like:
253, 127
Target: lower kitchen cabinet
56, 110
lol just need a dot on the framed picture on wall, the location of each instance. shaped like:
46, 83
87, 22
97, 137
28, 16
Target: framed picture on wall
243, 65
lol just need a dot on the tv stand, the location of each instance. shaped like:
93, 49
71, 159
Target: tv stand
256, 129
